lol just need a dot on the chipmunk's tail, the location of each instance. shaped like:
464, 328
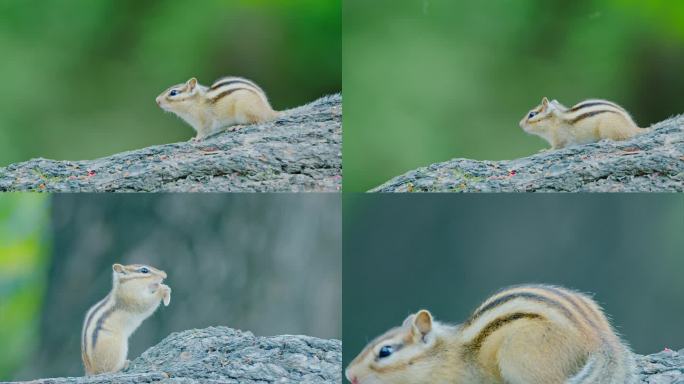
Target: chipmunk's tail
612, 364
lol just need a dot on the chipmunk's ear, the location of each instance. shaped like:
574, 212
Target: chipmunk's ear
545, 103
409, 320
118, 268
422, 323
192, 83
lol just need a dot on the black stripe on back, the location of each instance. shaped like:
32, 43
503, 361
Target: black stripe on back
222, 83
589, 114
98, 306
100, 321
476, 344
591, 104
228, 92
526, 295
567, 296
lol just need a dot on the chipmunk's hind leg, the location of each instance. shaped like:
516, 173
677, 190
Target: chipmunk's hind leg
253, 109
108, 355
537, 355
607, 366
616, 127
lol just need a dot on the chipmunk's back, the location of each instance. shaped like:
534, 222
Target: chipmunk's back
532, 334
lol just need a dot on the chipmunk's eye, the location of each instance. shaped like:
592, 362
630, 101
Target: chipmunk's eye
385, 351
532, 114
173, 92
144, 270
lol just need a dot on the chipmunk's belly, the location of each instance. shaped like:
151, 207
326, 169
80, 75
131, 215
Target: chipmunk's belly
109, 354
583, 134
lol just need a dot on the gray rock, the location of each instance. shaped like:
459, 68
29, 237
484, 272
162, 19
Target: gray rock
224, 355
665, 367
301, 151
650, 162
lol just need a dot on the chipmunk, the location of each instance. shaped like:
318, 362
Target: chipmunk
229, 101
531, 334
136, 293
585, 122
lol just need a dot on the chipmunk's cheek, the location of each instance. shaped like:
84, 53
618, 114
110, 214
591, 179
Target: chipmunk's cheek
162, 103
525, 126
154, 287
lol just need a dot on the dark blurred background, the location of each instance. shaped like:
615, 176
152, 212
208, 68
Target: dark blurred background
404, 253
430, 80
270, 264
80, 76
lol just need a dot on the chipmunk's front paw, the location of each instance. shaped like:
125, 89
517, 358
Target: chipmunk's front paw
166, 294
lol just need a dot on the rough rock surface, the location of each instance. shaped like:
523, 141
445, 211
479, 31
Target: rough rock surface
653, 161
301, 151
224, 355
665, 367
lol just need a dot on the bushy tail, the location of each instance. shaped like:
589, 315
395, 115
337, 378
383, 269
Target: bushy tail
609, 365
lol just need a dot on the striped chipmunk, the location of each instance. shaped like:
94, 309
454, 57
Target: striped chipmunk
228, 102
137, 291
585, 122
528, 334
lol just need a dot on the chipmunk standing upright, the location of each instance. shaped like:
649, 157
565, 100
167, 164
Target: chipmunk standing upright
585, 122
136, 293
530, 334
229, 101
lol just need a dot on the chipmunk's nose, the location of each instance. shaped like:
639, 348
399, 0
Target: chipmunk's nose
353, 379
163, 274
158, 100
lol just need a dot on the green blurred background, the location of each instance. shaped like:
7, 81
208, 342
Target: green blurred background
267, 263
429, 80
80, 76
24, 259
406, 252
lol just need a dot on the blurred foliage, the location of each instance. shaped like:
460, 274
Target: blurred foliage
405, 252
81, 76
23, 268
430, 80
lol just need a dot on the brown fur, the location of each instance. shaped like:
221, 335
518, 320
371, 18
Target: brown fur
532, 334
135, 295
586, 122
228, 102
